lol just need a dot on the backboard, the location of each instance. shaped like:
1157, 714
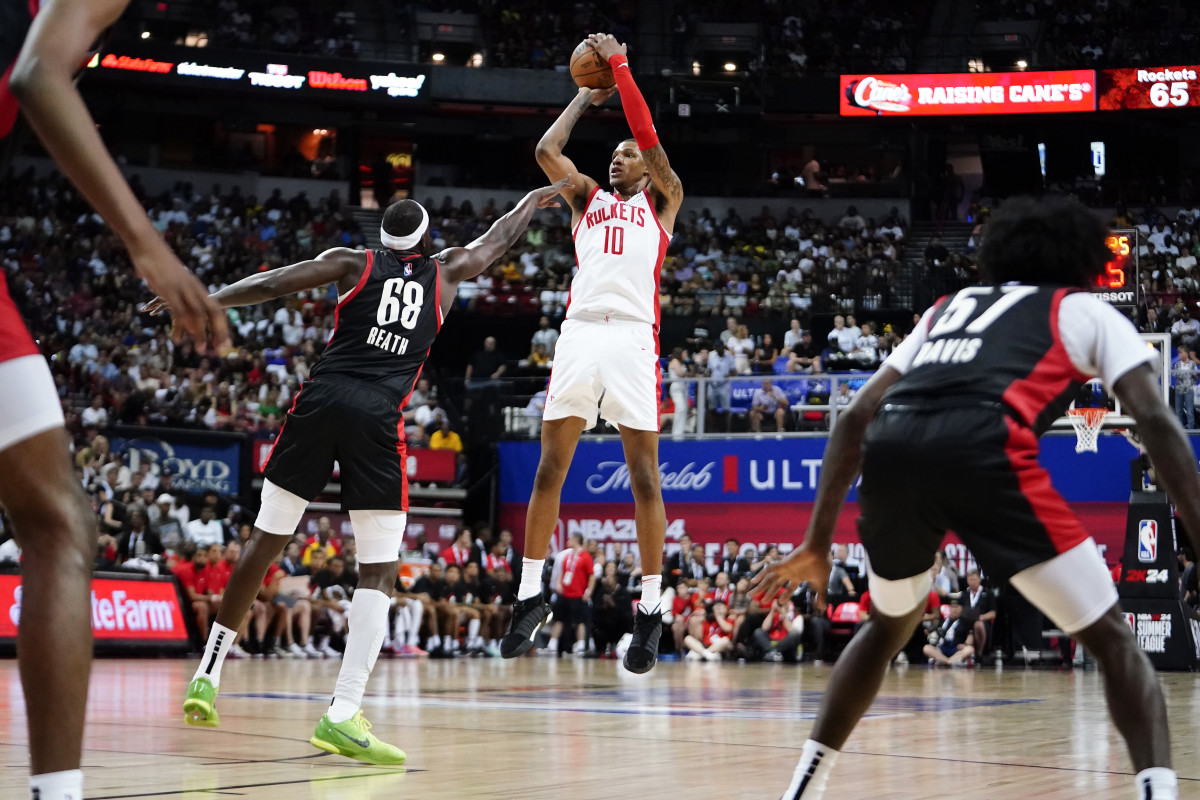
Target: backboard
1096, 394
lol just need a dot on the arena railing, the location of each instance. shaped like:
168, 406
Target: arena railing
814, 400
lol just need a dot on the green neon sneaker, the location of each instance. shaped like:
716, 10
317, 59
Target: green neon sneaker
200, 707
353, 739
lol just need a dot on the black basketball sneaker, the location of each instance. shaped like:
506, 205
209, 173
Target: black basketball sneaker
643, 649
528, 615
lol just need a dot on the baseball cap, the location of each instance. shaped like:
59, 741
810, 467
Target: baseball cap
164, 498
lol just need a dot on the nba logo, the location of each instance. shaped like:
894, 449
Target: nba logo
1148, 541
407, 270
1130, 622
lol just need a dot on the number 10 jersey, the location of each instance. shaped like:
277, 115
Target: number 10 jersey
384, 327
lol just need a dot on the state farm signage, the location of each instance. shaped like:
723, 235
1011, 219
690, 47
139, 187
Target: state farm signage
968, 93
121, 610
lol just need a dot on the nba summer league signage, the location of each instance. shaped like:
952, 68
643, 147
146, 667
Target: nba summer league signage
762, 491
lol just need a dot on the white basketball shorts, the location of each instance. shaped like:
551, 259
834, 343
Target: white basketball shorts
29, 403
606, 368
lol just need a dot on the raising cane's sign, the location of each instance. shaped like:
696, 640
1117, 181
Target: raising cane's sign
968, 93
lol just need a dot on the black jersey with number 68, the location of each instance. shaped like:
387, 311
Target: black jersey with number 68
384, 327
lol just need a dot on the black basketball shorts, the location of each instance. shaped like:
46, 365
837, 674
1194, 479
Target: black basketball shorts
350, 422
972, 470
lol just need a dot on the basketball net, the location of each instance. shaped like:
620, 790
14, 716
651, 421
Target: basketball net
1087, 423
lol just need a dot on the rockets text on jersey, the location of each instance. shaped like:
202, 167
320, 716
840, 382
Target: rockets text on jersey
385, 326
620, 246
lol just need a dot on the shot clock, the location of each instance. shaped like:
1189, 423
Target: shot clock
1118, 284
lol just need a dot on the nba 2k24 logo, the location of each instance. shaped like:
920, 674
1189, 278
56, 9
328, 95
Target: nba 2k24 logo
1148, 541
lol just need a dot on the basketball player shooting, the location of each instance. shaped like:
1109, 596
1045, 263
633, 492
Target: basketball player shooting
945, 436
606, 360
391, 306
51, 515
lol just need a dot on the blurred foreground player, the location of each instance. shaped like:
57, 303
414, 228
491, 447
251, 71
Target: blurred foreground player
945, 435
607, 356
390, 309
52, 519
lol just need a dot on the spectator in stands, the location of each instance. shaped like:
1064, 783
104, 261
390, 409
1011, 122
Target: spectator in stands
841, 588
445, 439
721, 364
677, 385
576, 584
293, 559
842, 339
979, 610
192, 574
434, 591
710, 633
95, 415
430, 416
781, 633
805, 356
545, 336
733, 564
769, 400
1186, 331
323, 539
206, 530
742, 347
612, 611
731, 330
941, 581
139, 541
537, 358
1184, 374
953, 642
459, 551
765, 355
1189, 590
487, 365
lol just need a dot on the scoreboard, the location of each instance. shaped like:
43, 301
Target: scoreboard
1153, 87
1118, 285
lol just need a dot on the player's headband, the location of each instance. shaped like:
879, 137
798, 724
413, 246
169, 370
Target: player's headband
406, 242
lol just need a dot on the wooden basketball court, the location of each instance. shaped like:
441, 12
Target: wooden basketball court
541, 728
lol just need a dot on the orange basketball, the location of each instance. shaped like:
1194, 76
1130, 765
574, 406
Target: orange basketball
589, 70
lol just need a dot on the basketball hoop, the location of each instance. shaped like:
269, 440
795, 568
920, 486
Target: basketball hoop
1087, 423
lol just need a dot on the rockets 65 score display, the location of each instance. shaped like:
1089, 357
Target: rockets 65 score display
1151, 87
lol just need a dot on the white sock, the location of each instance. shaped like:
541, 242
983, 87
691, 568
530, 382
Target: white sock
472, 632
65, 785
493, 643
434, 642
812, 772
1157, 783
368, 624
220, 639
553, 645
531, 577
651, 589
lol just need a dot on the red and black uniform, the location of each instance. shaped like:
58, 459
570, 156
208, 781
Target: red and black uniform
15, 18
350, 410
954, 445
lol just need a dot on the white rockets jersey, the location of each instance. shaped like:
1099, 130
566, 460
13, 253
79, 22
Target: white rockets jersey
620, 247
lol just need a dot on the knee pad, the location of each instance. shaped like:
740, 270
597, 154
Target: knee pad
281, 510
379, 535
898, 598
